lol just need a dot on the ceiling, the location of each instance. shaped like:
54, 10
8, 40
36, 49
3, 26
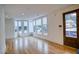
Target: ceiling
28, 11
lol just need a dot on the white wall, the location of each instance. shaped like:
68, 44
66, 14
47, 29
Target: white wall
2, 30
54, 20
55, 34
9, 28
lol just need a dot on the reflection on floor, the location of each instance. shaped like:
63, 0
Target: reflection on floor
31, 45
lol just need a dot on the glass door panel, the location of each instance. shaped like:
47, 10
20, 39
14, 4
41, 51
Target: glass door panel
71, 26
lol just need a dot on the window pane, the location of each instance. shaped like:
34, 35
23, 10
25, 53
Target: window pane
44, 20
38, 26
31, 26
19, 28
38, 22
71, 27
19, 23
25, 27
15, 29
16, 26
34, 22
44, 28
34, 26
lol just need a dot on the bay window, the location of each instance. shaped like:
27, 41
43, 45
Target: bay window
24, 27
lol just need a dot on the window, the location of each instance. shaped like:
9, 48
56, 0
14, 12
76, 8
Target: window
38, 26
16, 29
71, 27
34, 26
31, 26
25, 27
44, 19
19, 28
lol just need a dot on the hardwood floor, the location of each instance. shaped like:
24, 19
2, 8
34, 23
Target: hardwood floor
31, 45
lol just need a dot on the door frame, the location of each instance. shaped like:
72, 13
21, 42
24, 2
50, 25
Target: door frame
69, 41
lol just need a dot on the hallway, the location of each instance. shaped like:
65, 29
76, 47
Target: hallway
32, 45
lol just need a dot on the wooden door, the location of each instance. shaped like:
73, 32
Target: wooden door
70, 27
